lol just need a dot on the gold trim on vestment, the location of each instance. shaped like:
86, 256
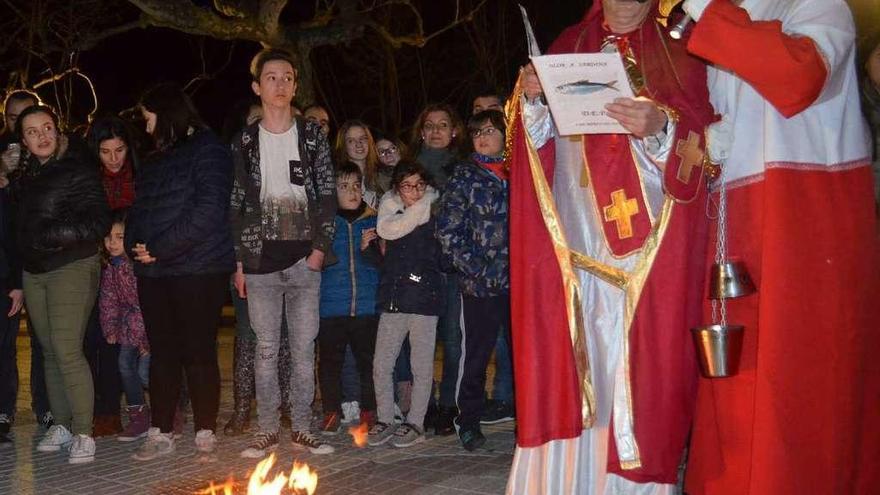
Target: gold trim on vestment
632, 283
613, 276
570, 284
633, 293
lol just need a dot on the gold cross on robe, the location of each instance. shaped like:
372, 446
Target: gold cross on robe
691, 156
621, 211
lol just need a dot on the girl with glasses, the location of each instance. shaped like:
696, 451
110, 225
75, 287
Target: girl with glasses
389, 149
410, 299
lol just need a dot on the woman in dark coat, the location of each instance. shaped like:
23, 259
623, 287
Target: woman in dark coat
178, 234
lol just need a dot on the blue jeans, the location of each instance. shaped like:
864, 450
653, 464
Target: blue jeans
502, 389
292, 294
134, 370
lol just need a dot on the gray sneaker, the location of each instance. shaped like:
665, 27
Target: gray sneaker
157, 444
55, 438
262, 444
82, 450
407, 435
380, 433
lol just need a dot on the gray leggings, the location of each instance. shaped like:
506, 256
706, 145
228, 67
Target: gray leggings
393, 329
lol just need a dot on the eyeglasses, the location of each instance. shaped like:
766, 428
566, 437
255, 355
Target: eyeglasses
387, 151
440, 126
407, 188
486, 131
348, 187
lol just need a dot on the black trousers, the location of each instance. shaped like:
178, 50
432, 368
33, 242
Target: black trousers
333, 335
181, 315
8, 365
103, 359
483, 319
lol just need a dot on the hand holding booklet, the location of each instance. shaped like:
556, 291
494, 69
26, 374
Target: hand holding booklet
577, 86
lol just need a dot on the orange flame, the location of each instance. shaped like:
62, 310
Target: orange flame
359, 434
302, 481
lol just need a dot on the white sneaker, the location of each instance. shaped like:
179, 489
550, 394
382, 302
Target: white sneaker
351, 412
55, 438
205, 441
156, 444
82, 449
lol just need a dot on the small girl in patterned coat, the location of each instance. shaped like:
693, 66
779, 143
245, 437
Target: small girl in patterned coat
122, 324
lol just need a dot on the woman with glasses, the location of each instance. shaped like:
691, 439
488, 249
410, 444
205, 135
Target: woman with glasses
355, 143
389, 149
410, 300
472, 230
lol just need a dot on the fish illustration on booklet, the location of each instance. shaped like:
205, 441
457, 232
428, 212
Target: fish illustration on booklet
585, 87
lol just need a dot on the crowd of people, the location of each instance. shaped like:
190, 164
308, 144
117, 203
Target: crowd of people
349, 259
346, 259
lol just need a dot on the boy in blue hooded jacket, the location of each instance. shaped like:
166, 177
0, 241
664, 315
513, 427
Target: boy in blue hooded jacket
348, 301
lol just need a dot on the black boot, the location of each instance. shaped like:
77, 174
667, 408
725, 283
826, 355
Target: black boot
445, 419
243, 386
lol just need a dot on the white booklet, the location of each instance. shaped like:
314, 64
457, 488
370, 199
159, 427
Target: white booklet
577, 87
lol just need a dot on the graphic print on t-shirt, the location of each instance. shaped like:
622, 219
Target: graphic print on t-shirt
297, 174
283, 194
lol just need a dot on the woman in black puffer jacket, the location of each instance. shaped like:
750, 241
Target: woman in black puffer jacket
62, 215
178, 233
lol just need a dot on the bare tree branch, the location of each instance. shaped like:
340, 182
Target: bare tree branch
187, 17
90, 42
270, 12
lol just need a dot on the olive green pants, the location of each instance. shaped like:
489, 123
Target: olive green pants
59, 304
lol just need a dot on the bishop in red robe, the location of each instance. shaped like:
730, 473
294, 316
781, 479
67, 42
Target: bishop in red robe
608, 249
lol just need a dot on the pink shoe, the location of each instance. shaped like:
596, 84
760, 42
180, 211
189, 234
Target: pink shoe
138, 423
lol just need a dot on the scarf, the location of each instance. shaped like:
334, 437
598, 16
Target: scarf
396, 220
494, 164
119, 186
351, 215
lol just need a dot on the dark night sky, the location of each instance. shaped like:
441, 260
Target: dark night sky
123, 66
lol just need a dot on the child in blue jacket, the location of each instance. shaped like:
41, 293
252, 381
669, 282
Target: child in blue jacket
348, 301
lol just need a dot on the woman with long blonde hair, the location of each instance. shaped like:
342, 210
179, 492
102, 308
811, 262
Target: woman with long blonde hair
355, 143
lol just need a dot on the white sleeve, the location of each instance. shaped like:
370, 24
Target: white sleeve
695, 8
539, 123
829, 24
659, 145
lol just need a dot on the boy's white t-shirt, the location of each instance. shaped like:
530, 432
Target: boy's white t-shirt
282, 184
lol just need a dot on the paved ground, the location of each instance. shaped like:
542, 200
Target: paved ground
437, 466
